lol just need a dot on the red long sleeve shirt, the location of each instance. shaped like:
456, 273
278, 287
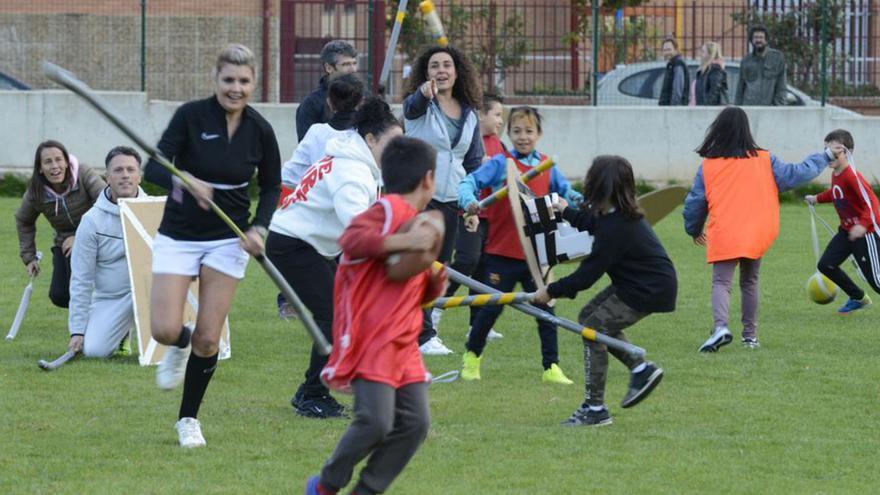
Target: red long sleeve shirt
376, 322
848, 200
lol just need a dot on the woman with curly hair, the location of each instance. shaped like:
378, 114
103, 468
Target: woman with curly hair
441, 109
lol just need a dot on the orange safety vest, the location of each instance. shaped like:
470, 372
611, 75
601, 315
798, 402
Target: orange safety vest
743, 207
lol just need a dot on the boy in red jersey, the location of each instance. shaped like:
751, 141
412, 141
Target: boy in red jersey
376, 328
857, 207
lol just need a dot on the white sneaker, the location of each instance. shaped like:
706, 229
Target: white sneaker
435, 347
719, 338
493, 335
189, 433
172, 368
436, 315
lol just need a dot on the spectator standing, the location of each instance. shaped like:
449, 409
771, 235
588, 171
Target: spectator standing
336, 56
710, 86
676, 80
761, 73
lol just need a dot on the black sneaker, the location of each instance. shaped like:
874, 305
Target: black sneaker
321, 407
641, 384
750, 343
584, 416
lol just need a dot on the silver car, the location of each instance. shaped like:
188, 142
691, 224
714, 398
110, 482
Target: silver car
640, 84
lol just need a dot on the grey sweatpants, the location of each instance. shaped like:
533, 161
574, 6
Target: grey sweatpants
109, 322
389, 425
722, 280
608, 315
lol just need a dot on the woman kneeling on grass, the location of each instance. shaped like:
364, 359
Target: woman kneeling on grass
643, 281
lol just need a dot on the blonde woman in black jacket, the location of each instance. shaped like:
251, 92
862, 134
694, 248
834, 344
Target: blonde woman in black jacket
711, 83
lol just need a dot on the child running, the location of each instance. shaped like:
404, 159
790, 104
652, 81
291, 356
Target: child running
376, 328
643, 281
737, 186
504, 262
851, 195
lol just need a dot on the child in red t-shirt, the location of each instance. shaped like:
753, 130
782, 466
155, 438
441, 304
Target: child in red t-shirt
857, 207
376, 328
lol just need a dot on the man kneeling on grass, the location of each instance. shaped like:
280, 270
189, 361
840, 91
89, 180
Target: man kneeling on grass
100, 290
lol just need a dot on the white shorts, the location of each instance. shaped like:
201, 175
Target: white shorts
187, 257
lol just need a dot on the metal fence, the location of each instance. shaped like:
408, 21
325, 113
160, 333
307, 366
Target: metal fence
537, 50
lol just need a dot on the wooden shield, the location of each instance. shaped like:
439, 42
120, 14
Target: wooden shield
140, 222
517, 191
660, 202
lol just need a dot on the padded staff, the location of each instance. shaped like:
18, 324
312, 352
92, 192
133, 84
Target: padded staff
526, 177
585, 332
479, 300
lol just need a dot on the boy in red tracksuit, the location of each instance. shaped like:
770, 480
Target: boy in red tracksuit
857, 207
376, 328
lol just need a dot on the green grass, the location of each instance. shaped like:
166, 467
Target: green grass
798, 415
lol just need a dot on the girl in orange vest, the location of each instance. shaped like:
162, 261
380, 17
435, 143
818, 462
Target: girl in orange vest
737, 186
504, 262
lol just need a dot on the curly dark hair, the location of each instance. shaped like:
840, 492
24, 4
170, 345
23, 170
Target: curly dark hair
467, 89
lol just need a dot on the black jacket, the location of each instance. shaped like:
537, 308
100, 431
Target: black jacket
313, 110
711, 87
669, 94
632, 256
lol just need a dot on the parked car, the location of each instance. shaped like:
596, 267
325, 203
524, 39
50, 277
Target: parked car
640, 84
9, 82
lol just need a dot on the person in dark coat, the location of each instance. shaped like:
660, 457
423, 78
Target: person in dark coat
710, 87
336, 56
676, 80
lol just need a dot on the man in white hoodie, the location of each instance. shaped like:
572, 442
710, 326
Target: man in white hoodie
100, 290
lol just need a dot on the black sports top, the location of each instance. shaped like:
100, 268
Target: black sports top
196, 141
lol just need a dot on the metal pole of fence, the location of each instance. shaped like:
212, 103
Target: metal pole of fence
143, 45
823, 45
594, 80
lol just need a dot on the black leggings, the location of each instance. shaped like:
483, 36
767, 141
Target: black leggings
59, 288
450, 220
311, 277
865, 252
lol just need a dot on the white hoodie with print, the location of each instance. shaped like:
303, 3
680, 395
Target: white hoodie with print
331, 193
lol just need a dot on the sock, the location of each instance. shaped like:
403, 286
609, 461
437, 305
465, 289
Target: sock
640, 368
597, 408
184, 338
199, 371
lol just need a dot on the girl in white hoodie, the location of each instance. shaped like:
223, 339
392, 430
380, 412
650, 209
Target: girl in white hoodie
304, 231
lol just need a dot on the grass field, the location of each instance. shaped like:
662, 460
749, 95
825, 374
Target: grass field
798, 415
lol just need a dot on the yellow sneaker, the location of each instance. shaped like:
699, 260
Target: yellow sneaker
470, 369
553, 375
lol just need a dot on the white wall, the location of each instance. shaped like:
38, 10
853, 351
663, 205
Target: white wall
658, 141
